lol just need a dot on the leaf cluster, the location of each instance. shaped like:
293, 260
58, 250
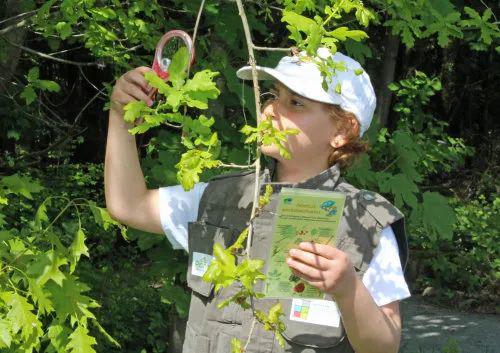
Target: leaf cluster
42, 301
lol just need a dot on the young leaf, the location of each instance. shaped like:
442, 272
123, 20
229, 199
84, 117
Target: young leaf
77, 249
80, 341
28, 94
133, 110
178, 66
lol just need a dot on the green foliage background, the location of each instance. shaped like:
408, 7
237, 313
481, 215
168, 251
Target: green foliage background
435, 156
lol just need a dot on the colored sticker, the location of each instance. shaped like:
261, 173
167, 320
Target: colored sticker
200, 263
315, 311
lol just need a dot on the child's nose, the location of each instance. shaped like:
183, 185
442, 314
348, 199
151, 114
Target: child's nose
270, 110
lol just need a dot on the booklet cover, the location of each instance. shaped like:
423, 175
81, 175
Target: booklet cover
302, 215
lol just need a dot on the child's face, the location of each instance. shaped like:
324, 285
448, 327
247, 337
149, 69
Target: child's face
316, 127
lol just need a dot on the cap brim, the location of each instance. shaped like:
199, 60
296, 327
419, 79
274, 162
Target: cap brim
267, 73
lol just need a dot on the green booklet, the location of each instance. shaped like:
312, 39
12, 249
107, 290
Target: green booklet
302, 215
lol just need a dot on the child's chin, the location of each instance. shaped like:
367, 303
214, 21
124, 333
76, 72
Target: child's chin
271, 151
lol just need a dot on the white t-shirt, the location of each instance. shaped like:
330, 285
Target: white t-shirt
384, 277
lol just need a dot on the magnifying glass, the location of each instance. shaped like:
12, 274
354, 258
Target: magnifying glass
167, 46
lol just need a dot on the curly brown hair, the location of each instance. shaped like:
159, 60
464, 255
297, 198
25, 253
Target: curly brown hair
348, 124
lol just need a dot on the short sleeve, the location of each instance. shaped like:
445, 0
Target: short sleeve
384, 277
177, 208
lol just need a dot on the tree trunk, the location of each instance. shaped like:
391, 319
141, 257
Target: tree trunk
385, 95
16, 36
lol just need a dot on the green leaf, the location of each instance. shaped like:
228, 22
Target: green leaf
158, 83
5, 333
438, 217
338, 88
45, 267
40, 297
58, 334
236, 345
41, 213
300, 22
64, 29
33, 74
48, 85
342, 33
403, 189
80, 341
21, 185
77, 249
192, 164
178, 66
172, 294
28, 94
101, 216
133, 110
106, 334
69, 301
103, 13
19, 313
200, 89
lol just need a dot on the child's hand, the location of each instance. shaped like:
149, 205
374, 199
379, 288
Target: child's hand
323, 266
131, 86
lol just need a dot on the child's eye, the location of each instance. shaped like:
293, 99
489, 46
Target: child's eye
296, 103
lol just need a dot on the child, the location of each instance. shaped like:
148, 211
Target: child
361, 276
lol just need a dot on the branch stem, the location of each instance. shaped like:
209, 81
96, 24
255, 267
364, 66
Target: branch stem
255, 47
54, 58
256, 91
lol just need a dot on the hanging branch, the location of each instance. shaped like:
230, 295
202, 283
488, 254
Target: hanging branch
256, 92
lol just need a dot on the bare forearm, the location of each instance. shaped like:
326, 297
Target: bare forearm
123, 178
368, 328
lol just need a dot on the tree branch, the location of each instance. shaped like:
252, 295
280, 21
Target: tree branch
12, 27
238, 166
99, 64
272, 49
256, 91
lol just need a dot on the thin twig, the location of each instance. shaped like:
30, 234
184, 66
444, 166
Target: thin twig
99, 64
252, 326
272, 49
65, 50
482, 2
30, 13
13, 27
200, 10
79, 115
256, 90
198, 20
237, 166
90, 82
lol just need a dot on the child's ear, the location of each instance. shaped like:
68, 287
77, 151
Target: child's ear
339, 140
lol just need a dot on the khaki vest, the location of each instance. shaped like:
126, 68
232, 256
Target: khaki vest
224, 211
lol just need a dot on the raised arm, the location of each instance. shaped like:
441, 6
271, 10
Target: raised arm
127, 198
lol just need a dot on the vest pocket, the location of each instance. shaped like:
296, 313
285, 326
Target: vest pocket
201, 239
307, 333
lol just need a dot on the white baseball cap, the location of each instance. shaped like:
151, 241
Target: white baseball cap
304, 78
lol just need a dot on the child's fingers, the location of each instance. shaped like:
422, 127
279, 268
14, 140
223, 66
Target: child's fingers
143, 69
327, 251
121, 99
310, 259
304, 277
136, 92
305, 270
137, 78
